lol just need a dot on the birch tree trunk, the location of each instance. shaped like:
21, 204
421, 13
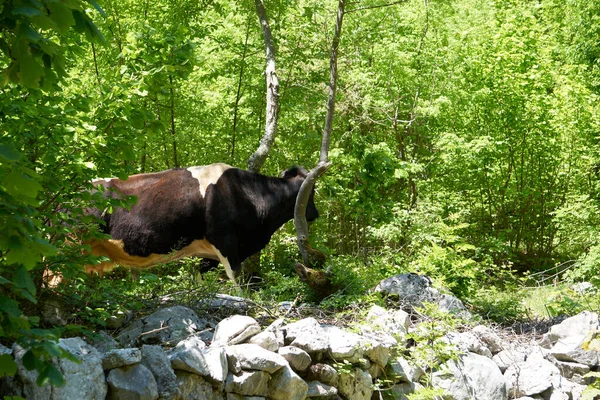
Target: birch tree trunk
257, 159
323, 164
251, 266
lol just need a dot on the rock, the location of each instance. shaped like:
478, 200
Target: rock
83, 380
401, 370
248, 383
235, 329
356, 385
468, 342
132, 382
121, 357
565, 339
210, 363
317, 389
252, 356
298, 359
192, 386
271, 338
323, 373
344, 345
103, 342
54, 311
506, 358
393, 322
472, 377
489, 337
155, 359
168, 325
376, 351
413, 290
119, 319
400, 391
530, 377
306, 334
285, 384
570, 370
220, 301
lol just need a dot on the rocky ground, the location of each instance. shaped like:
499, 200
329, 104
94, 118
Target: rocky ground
385, 354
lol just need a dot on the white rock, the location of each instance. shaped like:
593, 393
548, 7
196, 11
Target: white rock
489, 337
235, 329
344, 345
132, 382
248, 383
121, 357
394, 322
565, 339
254, 357
192, 386
285, 384
401, 370
318, 389
468, 342
506, 358
298, 359
356, 385
473, 376
306, 334
323, 373
210, 363
155, 359
531, 377
271, 338
179, 321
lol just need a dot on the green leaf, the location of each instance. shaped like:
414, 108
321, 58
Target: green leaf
19, 185
22, 279
26, 11
30, 361
8, 367
8, 153
62, 15
10, 307
97, 7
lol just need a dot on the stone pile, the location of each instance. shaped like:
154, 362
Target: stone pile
173, 355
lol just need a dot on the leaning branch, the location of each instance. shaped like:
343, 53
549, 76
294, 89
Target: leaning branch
323, 164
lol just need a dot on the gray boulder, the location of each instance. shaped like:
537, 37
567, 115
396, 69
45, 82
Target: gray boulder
166, 326
323, 373
285, 384
193, 387
132, 382
83, 380
565, 339
344, 345
472, 377
155, 359
271, 338
356, 385
254, 357
531, 377
317, 389
235, 329
298, 359
248, 383
394, 322
121, 357
210, 363
308, 335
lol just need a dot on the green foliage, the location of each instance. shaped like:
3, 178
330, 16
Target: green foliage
501, 306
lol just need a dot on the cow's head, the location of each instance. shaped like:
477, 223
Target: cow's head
300, 173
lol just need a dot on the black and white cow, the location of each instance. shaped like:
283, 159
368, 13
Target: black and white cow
214, 211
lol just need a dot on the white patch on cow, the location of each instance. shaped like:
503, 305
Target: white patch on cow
208, 175
226, 265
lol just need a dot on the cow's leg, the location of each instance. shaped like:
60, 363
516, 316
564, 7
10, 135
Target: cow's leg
227, 265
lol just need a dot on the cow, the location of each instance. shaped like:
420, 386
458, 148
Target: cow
214, 211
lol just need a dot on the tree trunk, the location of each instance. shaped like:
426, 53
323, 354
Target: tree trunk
257, 159
238, 94
323, 164
251, 266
